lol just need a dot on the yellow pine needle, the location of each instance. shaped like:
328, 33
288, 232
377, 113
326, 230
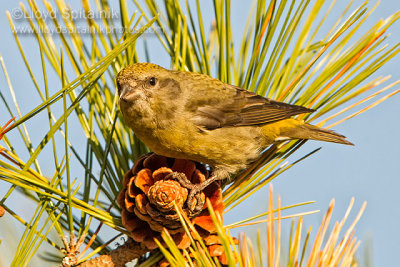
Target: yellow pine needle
243, 249
320, 235
4, 129
295, 244
330, 243
265, 24
18, 162
278, 238
345, 68
93, 236
326, 250
253, 256
296, 215
351, 228
311, 63
242, 222
270, 230
73, 47
3, 152
332, 254
377, 83
364, 109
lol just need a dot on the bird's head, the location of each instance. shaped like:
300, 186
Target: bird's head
138, 81
147, 88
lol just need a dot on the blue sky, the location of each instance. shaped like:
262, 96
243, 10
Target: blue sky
370, 171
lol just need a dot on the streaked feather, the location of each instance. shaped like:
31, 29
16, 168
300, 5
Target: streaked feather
244, 109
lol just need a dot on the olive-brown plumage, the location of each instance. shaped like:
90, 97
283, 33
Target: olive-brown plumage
194, 116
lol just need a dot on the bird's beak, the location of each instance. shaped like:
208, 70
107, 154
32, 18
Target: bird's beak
125, 91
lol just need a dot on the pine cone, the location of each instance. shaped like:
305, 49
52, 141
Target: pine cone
147, 201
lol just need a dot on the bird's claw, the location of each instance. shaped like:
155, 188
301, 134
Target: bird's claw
181, 179
194, 201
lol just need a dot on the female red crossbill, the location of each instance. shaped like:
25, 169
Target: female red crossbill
193, 116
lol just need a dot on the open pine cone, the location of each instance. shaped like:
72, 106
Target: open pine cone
147, 201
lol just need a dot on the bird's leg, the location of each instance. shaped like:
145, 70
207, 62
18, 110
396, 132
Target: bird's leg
195, 189
195, 193
181, 178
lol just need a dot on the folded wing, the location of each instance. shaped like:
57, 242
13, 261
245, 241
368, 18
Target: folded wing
243, 109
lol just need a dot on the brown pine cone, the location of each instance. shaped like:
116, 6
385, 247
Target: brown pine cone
147, 201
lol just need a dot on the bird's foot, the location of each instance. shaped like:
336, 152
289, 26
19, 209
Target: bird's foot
194, 201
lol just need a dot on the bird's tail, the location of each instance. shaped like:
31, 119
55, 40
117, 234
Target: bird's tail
308, 131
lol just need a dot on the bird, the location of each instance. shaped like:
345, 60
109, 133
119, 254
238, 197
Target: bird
190, 115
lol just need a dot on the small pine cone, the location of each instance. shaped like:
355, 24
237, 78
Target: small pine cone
148, 195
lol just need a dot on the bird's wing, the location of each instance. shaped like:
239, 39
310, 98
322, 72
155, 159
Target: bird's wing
242, 108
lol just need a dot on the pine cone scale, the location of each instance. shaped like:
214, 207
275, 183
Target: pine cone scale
149, 197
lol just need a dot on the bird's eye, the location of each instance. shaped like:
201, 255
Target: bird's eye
152, 81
